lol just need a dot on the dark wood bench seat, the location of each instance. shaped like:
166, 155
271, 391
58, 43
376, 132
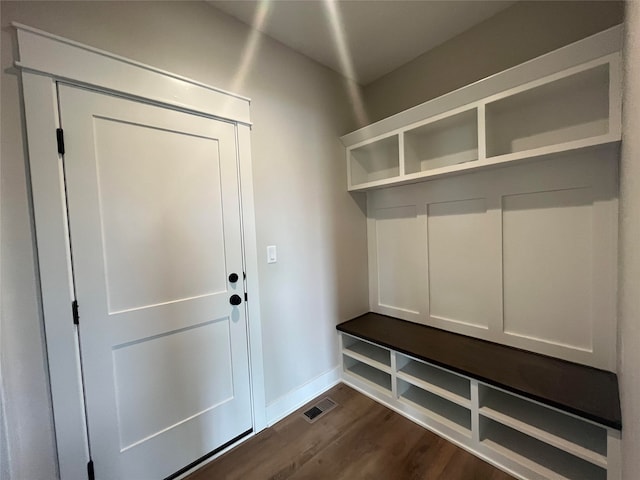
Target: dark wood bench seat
584, 391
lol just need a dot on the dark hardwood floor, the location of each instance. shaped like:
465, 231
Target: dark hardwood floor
359, 439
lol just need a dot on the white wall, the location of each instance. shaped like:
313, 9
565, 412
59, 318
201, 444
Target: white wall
299, 110
629, 300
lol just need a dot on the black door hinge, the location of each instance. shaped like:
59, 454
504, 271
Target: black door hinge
246, 297
90, 472
76, 314
60, 138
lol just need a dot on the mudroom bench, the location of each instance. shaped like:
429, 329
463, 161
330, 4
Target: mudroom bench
535, 416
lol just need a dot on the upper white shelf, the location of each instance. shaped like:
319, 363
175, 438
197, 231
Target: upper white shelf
575, 107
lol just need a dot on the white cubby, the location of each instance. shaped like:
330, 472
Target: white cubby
572, 109
443, 383
371, 376
367, 352
448, 141
574, 435
543, 460
378, 160
443, 411
575, 107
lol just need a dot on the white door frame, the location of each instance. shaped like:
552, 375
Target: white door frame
44, 60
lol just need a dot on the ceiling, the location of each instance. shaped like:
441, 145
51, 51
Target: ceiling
363, 40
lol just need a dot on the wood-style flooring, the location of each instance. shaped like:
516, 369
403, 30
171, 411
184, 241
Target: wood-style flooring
358, 439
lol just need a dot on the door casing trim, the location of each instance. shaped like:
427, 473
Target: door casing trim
59, 57
46, 59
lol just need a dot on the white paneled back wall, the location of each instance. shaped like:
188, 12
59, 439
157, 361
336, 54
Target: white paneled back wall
523, 255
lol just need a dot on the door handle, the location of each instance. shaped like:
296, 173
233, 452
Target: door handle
233, 278
235, 300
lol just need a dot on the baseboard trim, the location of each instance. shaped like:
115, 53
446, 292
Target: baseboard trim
296, 398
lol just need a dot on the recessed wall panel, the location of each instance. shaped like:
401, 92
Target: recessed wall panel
400, 248
461, 243
165, 380
548, 266
157, 188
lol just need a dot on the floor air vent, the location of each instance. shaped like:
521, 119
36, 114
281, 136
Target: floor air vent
319, 409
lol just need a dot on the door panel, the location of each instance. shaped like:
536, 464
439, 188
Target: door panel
148, 372
137, 207
154, 217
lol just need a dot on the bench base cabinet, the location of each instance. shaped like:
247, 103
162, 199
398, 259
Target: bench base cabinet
523, 437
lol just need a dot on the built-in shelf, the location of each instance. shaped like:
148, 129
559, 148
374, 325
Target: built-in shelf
443, 383
544, 460
567, 109
570, 110
378, 160
367, 352
579, 390
571, 434
452, 140
371, 376
443, 411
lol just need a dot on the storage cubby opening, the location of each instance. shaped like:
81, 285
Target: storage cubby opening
543, 459
376, 161
571, 108
366, 349
567, 429
442, 143
445, 411
368, 373
434, 376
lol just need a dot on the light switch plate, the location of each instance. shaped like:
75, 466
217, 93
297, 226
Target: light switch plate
272, 254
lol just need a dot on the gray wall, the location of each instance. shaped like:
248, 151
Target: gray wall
4, 453
629, 284
519, 33
299, 110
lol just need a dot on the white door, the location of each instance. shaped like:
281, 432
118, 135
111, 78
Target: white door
154, 215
